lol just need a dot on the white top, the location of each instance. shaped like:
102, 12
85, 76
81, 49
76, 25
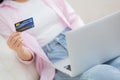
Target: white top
47, 23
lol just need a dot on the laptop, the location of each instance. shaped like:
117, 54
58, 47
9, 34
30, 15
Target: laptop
93, 44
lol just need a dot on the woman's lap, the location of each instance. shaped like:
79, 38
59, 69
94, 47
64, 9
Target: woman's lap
101, 72
107, 71
62, 76
115, 62
98, 72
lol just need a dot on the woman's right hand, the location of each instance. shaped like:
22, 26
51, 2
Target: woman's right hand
15, 42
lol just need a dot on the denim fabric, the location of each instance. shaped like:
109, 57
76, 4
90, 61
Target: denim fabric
101, 72
56, 50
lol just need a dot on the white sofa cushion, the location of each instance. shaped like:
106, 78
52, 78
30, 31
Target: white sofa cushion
11, 68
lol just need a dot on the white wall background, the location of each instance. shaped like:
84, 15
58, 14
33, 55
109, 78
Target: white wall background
90, 10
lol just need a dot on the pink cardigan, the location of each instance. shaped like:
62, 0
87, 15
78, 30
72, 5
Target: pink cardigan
9, 15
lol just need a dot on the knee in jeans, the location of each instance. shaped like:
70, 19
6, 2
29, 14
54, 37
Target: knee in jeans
100, 72
115, 62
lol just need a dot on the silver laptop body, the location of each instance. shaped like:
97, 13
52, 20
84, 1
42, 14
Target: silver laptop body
93, 44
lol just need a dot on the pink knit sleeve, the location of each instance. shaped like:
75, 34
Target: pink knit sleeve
27, 62
73, 18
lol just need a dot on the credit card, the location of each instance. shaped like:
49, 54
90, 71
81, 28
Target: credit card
24, 25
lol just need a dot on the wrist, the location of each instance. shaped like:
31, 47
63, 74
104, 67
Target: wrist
24, 54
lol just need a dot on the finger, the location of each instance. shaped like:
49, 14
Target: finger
18, 43
13, 42
13, 35
21, 45
16, 47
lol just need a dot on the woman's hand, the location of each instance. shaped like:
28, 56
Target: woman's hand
15, 42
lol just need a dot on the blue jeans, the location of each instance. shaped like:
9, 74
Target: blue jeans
56, 50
